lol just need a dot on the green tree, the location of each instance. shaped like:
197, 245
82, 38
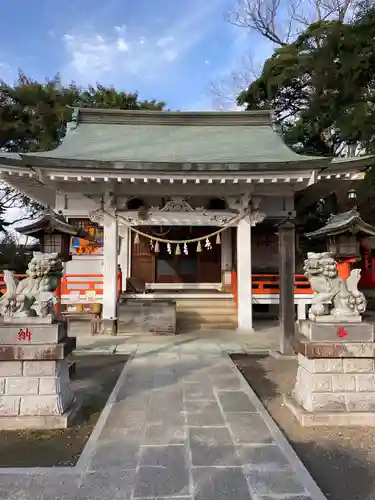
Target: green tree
33, 117
274, 23
322, 87
13, 255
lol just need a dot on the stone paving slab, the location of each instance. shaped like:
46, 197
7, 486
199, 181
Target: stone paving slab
179, 426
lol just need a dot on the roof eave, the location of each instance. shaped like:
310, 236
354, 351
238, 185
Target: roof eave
48, 221
359, 224
45, 162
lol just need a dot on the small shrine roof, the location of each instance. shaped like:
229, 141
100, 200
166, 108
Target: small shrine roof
50, 220
340, 223
99, 136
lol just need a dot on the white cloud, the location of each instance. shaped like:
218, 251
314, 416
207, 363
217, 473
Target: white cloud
120, 29
153, 55
7, 72
122, 46
102, 57
166, 40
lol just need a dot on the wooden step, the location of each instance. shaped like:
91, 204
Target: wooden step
205, 327
212, 303
207, 309
205, 305
206, 314
210, 318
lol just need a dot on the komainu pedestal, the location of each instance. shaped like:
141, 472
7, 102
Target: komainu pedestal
335, 383
35, 390
35, 387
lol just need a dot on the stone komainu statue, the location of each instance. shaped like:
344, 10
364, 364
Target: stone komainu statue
334, 297
33, 296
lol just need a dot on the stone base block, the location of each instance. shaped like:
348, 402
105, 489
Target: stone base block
32, 320
335, 385
336, 349
338, 319
329, 331
49, 404
327, 418
35, 422
37, 351
109, 326
17, 333
157, 317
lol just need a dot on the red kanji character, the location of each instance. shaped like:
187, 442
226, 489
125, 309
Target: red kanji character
342, 333
28, 334
24, 334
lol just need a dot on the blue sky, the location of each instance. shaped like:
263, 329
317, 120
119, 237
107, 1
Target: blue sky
167, 50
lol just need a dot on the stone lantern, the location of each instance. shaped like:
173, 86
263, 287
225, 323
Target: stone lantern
343, 233
53, 232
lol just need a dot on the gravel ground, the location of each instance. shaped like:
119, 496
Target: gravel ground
341, 460
93, 382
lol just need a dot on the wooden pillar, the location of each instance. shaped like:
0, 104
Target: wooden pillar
124, 259
226, 258
110, 275
286, 274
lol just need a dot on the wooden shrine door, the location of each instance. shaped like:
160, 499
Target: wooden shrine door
195, 267
165, 267
142, 260
209, 261
172, 268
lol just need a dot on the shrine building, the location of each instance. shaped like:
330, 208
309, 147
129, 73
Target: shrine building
185, 204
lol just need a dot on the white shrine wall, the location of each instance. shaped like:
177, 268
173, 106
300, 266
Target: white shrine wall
84, 264
75, 204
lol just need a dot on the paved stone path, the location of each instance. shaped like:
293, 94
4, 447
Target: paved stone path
178, 426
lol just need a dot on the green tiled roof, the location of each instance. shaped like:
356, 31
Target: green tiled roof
195, 137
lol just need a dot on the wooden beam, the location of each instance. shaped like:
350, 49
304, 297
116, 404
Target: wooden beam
286, 232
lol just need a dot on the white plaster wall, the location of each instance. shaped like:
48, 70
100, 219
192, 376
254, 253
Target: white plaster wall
84, 265
75, 205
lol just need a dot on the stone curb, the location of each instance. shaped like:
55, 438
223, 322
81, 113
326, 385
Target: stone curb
90, 446
279, 355
96, 351
89, 449
303, 475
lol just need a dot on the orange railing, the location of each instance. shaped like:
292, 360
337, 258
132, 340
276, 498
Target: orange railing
270, 283
82, 284
74, 285
85, 284
264, 284
3, 286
